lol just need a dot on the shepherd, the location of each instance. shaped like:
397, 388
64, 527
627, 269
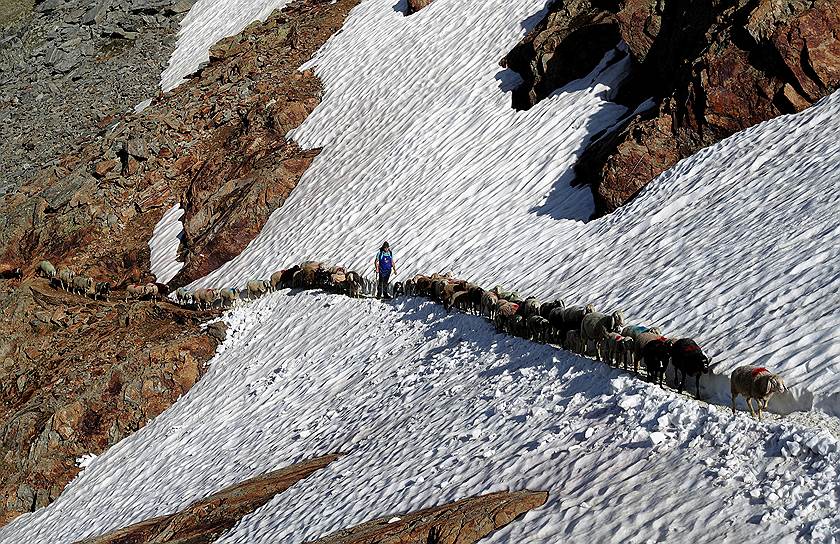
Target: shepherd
384, 266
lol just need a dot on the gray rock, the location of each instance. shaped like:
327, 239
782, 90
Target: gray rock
137, 148
96, 14
48, 5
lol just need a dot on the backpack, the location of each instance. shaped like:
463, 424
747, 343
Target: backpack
385, 262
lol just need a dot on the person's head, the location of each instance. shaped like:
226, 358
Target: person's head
385, 247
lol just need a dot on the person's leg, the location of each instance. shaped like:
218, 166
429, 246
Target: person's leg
384, 284
379, 286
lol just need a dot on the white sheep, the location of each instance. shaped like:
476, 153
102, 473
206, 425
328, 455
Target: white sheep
754, 382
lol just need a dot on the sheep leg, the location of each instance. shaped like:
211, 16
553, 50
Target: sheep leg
750, 406
681, 374
697, 383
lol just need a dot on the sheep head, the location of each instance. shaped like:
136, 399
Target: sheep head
590, 308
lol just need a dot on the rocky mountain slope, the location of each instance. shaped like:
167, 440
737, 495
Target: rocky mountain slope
69, 68
709, 69
217, 145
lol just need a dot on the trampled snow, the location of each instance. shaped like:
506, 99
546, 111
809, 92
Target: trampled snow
737, 246
431, 408
164, 244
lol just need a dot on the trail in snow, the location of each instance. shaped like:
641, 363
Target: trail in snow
736, 246
432, 408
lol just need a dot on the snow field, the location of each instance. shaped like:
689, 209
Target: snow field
431, 408
164, 244
736, 246
205, 24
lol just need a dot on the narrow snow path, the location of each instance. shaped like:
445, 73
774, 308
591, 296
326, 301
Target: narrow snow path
431, 408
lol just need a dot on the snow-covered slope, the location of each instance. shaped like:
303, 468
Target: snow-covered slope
163, 246
431, 408
737, 246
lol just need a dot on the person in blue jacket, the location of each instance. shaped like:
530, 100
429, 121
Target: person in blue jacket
384, 266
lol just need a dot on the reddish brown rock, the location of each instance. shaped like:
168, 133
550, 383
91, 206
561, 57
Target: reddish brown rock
416, 5
462, 522
202, 522
78, 376
711, 72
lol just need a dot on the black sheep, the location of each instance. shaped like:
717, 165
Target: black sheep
689, 360
103, 289
655, 354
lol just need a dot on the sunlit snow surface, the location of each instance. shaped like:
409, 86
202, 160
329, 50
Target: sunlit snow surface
737, 246
206, 23
163, 246
431, 408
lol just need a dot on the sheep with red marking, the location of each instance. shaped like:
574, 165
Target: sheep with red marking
755, 383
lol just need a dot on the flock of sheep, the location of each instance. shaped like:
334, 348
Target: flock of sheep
580, 329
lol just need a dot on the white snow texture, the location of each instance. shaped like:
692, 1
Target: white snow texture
163, 246
736, 246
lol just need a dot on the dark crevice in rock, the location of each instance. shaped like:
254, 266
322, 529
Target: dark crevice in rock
712, 69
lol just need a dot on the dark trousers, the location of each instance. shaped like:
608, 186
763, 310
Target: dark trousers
382, 285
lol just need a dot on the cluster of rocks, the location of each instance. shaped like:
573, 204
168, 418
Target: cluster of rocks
70, 66
711, 72
77, 376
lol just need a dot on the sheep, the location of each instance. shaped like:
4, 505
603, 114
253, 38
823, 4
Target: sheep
103, 289
353, 284
616, 348
437, 289
65, 277
573, 317
398, 289
310, 271
410, 287
46, 269
538, 327
205, 297
151, 290
489, 304
755, 383
134, 291
505, 313
474, 300
632, 332
256, 288
531, 307
595, 326
277, 279
422, 285
183, 296
548, 307
689, 359
639, 343
11, 273
82, 284
656, 354
287, 276
229, 296
572, 341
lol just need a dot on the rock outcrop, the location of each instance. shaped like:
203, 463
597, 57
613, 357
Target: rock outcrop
204, 521
462, 522
78, 375
413, 6
216, 144
711, 71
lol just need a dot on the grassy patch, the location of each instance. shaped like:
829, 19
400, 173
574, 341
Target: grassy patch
12, 11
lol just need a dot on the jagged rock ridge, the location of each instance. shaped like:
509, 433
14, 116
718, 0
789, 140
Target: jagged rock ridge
712, 70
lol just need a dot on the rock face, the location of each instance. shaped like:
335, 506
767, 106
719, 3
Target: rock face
711, 71
413, 6
79, 375
50, 59
462, 522
216, 144
204, 521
